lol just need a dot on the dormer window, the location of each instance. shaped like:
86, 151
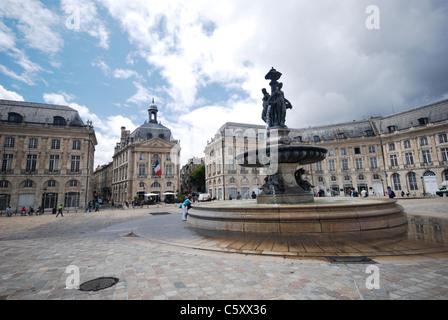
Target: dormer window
59, 121
369, 133
423, 121
316, 139
14, 117
392, 128
341, 135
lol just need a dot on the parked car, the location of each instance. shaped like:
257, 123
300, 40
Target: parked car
443, 189
204, 197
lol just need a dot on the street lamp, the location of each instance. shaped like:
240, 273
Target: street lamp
43, 200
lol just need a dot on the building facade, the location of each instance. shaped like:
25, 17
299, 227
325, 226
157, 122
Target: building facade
224, 178
47, 156
146, 162
102, 182
186, 186
407, 151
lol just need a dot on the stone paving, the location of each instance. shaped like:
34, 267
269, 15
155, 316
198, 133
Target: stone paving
36, 251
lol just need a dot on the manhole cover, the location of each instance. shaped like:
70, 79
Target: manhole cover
351, 260
98, 284
159, 213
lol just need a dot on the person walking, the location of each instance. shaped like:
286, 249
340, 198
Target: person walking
97, 207
59, 211
390, 192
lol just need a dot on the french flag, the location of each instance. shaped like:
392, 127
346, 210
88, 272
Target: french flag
157, 169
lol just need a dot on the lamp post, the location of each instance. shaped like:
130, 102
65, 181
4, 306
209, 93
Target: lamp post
43, 200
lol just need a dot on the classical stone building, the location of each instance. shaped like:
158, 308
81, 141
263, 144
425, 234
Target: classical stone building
47, 156
102, 182
407, 151
224, 178
146, 162
187, 169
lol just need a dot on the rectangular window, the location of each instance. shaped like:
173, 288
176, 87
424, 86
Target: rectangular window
141, 169
426, 154
142, 157
54, 163
169, 170
76, 145
55, 144
443, 138
444, 154
74, 165
393, 160
343, 152
357, 150
32, 144
358, 163
344, 163
9, 142
409, 158
391, 147
407, 144
7, 162
424, 141
373, 163
31, 162
331, 165
318, 166
371, 149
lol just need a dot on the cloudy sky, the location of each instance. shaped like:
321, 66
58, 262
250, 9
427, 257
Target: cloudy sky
204, 61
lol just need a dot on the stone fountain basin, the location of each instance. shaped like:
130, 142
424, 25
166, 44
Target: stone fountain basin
299, 154
325, 215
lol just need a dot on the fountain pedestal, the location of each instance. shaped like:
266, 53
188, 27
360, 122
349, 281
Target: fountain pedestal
286, 204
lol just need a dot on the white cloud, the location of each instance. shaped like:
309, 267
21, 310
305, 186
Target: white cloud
35, 22
89, 20
107, 130
329, 60
9, 95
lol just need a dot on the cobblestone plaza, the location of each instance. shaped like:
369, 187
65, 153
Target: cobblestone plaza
156, 256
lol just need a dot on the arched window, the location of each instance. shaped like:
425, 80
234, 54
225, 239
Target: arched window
155, 185
59, 121
14, 117
396, 181
412, 181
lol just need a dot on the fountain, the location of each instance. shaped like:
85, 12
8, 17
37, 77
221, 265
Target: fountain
286, 204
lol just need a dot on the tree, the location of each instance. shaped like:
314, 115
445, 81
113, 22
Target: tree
197, 178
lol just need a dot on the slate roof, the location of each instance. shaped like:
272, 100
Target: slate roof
39, 112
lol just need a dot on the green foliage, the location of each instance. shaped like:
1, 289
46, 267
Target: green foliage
197, 177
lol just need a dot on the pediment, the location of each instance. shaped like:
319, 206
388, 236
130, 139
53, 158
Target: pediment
156, 143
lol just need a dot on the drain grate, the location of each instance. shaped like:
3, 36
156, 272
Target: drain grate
159, 213
351, 260
98, 284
